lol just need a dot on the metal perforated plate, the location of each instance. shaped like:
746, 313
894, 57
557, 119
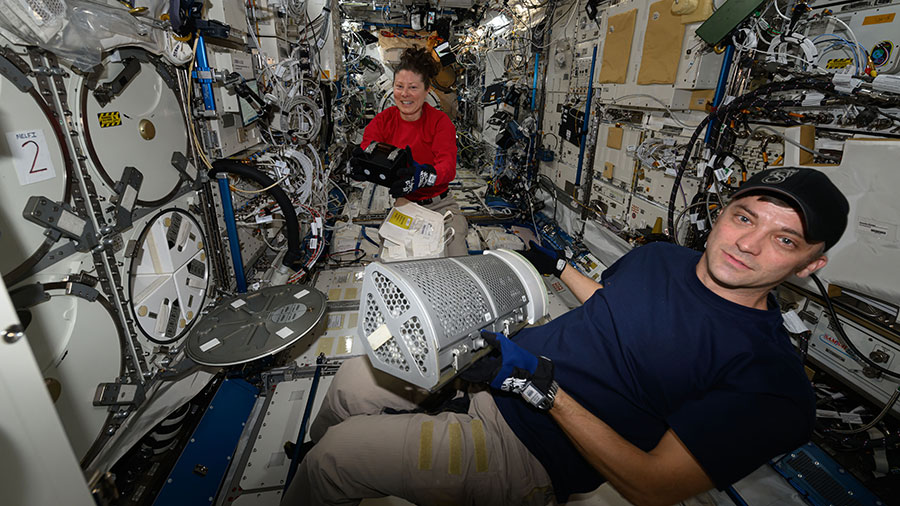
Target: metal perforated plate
501, 282
452, 294
389, 353
396, 302
413, 336
372, 318
420, 319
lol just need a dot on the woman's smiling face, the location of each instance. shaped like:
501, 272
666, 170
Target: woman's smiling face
409, 94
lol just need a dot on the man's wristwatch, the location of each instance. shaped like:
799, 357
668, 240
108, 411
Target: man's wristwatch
560, 265
539, 399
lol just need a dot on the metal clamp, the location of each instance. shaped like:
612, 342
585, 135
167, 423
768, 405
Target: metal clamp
118, 394
60, 219
127, 190
106, 92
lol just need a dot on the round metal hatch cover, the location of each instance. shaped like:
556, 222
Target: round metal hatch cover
254, 325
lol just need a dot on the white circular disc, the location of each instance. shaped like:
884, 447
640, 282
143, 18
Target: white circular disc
145, 101
76, 344
169, 275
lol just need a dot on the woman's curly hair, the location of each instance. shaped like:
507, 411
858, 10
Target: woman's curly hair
419, 61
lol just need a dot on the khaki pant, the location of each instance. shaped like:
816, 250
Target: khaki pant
457, 245
449, 458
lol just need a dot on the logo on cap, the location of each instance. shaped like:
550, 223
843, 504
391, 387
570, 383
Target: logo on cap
779, 176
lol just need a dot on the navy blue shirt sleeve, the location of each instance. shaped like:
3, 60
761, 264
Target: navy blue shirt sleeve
731, 431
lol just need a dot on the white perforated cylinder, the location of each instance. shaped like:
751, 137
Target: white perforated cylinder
419, 319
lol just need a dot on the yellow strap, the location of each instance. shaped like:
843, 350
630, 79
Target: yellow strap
425, 443
478, 437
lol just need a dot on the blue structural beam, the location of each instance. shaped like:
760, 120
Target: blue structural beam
532, 139
720, 89
198, 474
537, 59
307, 414
231, 228
204, 76
587, 116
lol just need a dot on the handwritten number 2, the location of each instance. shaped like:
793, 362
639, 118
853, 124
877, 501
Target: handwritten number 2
37, 150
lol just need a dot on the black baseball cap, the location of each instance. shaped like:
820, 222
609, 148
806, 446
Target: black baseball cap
822, 206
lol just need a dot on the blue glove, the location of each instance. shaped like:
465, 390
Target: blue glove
547, 261
412, 177
516, 370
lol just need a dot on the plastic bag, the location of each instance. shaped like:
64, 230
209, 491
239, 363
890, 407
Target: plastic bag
80, 31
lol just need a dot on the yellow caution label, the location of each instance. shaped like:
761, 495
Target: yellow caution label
109, 119
877, 20
399, 219
838, 63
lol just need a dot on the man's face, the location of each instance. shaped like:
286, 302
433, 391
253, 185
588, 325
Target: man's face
754, 246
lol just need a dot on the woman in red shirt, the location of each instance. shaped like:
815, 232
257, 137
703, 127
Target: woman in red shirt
431, 137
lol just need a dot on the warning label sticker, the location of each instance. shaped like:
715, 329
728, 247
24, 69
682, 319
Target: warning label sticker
838, 63
109, 119
879, 19
400, 219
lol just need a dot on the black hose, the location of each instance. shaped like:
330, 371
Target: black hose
842, 336
327, 120
291, 225
681, 169
887, 407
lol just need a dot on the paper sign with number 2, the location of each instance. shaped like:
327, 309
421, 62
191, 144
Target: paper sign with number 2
31, 156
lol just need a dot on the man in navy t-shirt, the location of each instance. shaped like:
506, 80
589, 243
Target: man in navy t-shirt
674, 377
676, 374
